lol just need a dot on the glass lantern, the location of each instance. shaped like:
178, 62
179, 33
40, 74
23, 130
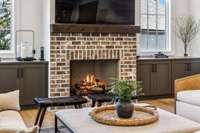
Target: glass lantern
25, 45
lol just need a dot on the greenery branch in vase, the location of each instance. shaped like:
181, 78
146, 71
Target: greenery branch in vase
186, 30
125, 91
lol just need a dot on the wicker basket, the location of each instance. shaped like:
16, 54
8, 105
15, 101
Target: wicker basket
141, 116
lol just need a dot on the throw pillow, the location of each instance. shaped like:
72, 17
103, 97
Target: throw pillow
9, 101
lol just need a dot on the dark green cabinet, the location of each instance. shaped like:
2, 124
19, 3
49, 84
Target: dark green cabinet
30, 78
155, 76
33, 82
8, 78
158, 75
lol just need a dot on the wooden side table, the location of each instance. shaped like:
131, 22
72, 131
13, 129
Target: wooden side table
44, 103
100, 98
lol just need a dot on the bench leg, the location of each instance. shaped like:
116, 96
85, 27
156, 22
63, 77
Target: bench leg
80, 106
99, 104
42, 116
38, 116
56, 124
93, 103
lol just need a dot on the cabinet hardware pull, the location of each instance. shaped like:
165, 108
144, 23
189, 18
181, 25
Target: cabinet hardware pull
18, 73
190, 67
155, 68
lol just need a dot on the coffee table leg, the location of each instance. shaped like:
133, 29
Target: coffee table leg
56, 124
76, 106
42, 116
38, 116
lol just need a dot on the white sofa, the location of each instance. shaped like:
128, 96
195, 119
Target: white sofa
12, 122
187, 99
10, 118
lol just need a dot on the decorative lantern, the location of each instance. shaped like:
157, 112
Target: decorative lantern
25, 45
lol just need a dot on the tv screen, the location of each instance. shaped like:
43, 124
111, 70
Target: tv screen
95, 11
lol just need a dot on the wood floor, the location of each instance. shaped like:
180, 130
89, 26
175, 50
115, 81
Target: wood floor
30, 115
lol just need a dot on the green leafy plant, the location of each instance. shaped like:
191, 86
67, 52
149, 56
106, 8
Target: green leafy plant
5, 25
125, 89
186, 30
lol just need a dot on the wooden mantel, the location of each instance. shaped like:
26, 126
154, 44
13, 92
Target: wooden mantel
93, 28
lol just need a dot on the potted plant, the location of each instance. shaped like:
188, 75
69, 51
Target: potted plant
125, 90
186, 30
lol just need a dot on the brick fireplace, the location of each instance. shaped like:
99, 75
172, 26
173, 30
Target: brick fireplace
67, 47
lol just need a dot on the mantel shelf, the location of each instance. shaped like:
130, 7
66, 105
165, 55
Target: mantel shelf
93, 28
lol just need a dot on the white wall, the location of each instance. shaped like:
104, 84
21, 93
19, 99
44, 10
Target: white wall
178, 8
34, 15
185, 8
194, 10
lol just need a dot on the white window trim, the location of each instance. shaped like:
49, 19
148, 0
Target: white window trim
10, 53
168, 51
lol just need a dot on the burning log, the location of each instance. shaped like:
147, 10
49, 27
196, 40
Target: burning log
90, 84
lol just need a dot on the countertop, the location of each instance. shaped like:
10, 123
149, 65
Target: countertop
14, 61
169, 58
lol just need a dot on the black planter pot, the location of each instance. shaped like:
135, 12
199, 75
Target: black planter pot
124, 109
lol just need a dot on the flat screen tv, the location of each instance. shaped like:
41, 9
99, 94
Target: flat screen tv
95, 11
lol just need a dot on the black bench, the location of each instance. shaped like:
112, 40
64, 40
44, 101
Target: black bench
44, 103
100, 98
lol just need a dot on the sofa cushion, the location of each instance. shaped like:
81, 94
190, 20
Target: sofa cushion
9, 101
190, 97
13, 130
12, 122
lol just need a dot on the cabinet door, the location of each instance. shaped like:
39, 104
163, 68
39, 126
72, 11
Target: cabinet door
144, 74
181, 68
8, 77
33, 82
161, 78
195, 66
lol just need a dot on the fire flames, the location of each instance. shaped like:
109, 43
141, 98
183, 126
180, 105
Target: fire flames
91, 83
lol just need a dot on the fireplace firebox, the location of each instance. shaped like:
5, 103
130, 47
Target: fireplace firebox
92, 76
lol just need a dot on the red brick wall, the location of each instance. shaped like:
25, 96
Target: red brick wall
89, 46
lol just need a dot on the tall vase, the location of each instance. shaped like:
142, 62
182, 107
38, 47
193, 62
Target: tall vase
185, 50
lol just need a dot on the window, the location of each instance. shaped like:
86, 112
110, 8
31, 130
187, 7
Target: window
154, 26
5, 24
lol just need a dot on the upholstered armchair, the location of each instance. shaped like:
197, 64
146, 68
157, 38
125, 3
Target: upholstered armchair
187, 97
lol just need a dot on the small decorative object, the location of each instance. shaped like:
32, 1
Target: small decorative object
42, 53
25, 45
187, 29
143, 116
160, 55
125, 90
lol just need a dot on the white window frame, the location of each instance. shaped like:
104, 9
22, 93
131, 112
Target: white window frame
10, 53
168, 41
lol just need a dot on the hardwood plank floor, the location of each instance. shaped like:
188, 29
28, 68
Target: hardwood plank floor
30, 115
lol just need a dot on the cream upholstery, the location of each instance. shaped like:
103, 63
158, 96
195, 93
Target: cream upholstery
190, 97
10, 101
10, 119
12, 122
187, 92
